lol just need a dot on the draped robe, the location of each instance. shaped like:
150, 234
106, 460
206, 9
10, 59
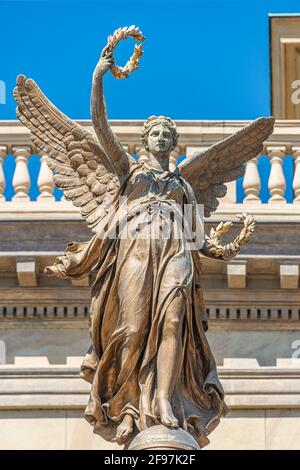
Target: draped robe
137, 278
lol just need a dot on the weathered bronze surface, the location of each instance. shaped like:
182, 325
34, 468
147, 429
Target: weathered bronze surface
149, 362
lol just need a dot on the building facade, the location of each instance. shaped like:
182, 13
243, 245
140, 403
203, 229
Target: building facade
253, 302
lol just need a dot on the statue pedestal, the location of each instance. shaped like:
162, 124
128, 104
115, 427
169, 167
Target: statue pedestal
162, 438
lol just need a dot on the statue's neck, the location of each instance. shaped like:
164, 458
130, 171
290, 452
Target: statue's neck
161, 164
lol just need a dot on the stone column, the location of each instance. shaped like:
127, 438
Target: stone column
45, 181
277, 183
21, 179
296, 180
3, 153
251, 182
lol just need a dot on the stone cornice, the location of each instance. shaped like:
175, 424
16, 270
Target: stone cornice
59, 387
288, 213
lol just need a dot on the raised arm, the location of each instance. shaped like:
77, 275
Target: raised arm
107, 138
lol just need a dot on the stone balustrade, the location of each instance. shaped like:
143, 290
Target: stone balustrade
253, 287
194, 135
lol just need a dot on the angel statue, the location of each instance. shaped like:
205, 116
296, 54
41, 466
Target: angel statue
149, 362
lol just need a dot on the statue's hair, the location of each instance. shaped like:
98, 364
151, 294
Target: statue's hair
154, 121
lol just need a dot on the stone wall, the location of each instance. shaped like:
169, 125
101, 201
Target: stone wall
42, 406
67, 430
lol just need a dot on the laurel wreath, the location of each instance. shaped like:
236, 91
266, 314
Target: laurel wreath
213, 239
132, 64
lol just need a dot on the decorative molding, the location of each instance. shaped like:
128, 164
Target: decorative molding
256, 313
214, 312
42, 312
60, 387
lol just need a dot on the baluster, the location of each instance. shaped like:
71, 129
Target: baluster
45, 181
277, 183
142, 154
3, 153
251, 182
296, 180
21, 179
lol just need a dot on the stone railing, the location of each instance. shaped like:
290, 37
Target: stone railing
285, 142
249, 287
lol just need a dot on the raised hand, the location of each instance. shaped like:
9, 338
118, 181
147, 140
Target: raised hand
106, 60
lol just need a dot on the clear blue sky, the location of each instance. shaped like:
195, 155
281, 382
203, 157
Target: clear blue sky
202, 60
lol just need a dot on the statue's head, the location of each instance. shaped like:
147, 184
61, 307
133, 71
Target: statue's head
159, 136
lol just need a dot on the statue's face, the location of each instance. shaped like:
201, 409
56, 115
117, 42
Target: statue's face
160, 141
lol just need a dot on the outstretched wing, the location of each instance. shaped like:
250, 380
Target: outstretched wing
82, 168
223, 162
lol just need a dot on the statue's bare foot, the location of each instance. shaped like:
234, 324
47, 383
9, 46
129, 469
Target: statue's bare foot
166, 414
124, 429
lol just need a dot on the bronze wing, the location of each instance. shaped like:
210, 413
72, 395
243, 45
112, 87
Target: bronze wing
82, 168
207, 171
